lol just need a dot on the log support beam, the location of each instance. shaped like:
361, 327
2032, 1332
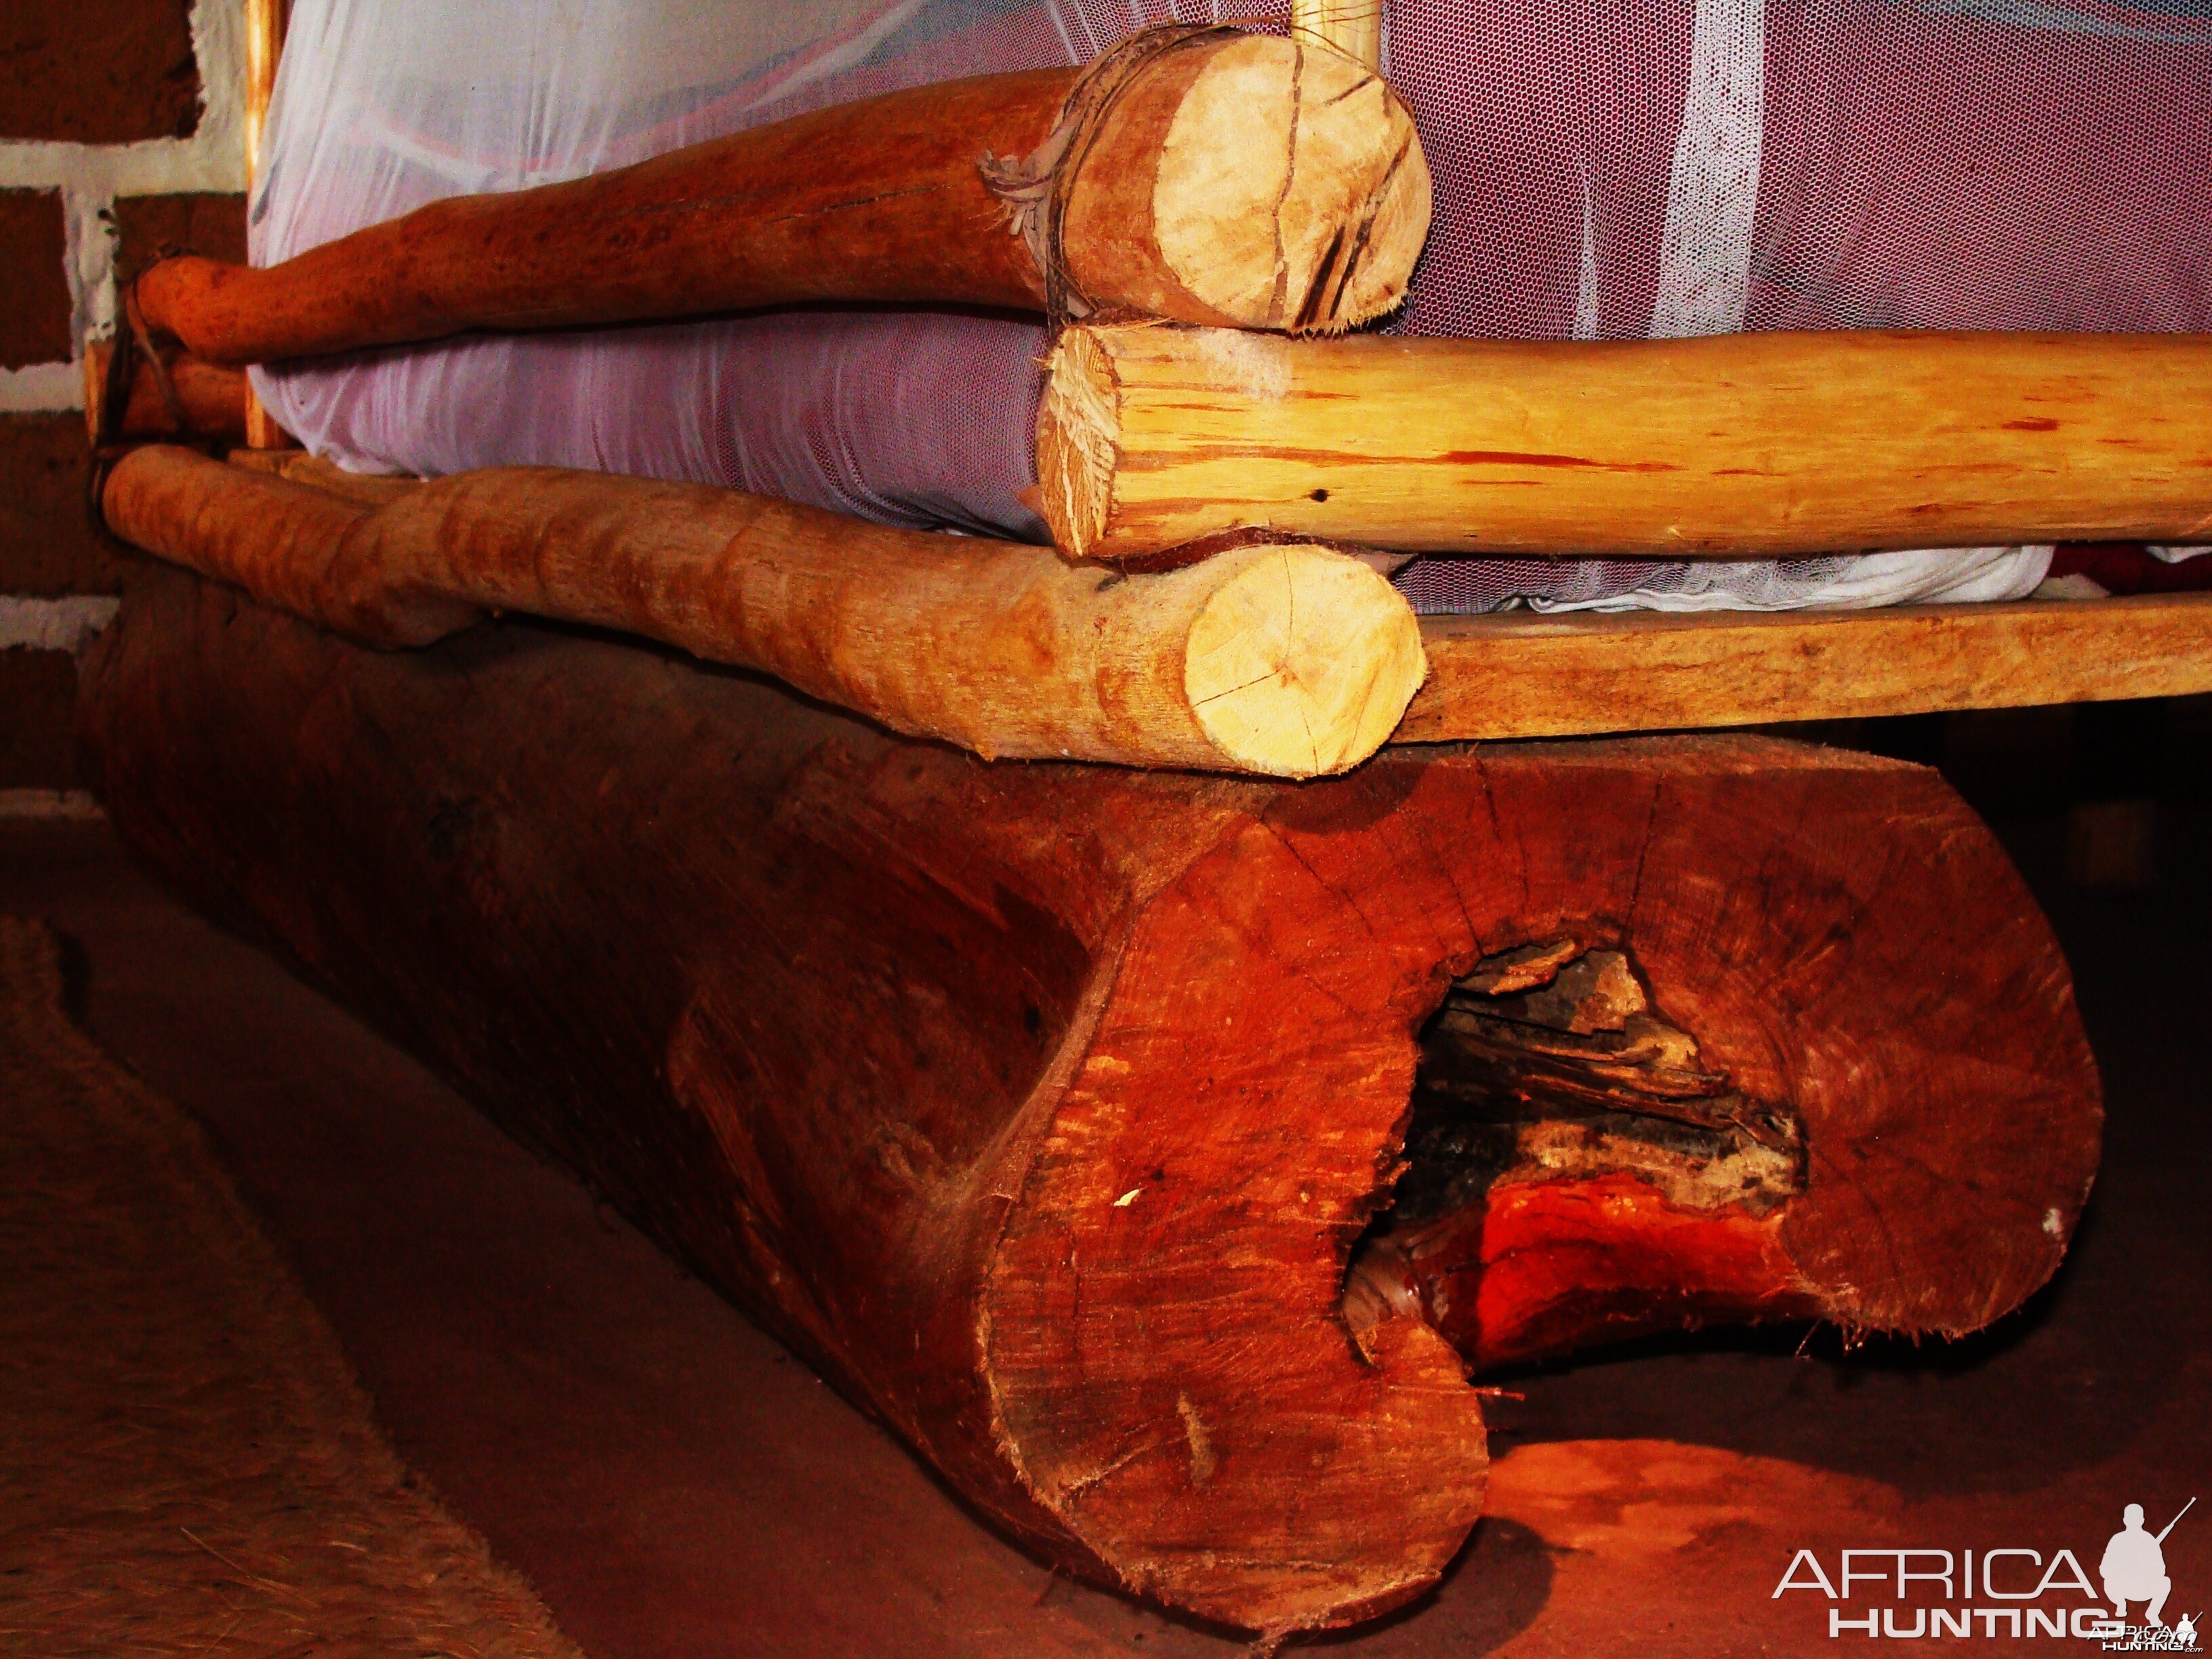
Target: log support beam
1052, 1110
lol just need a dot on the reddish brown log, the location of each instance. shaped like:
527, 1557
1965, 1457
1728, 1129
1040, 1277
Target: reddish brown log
1043, 1106
1235, 179
211, 397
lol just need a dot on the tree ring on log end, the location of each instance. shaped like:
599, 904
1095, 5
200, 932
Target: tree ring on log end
1272, 671
1291, 192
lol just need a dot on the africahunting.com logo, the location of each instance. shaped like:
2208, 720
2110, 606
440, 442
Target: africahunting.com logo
2008, 1592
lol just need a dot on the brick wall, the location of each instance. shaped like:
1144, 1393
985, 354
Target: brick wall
121, 131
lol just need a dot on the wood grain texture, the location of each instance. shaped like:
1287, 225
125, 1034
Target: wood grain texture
265, 45
1041, 1106
1284, 660
1287, 189
369, 489
1353, 28
1756, 444
1221, 186
1520, 675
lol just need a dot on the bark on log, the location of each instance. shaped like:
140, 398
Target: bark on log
1231, 179
1041, 1106
1150, 438
1290, 661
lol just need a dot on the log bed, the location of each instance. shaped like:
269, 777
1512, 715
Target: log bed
1157, 1153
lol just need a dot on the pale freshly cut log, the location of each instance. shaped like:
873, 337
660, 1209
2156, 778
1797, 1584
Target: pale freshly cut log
1150, 438
1043, 1106
1353, 28
1202, 174
1283, 659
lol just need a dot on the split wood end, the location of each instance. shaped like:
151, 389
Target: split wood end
1288, 190
1079, 430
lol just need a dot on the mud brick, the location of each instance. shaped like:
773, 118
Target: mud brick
38, 697
198, 222
47, 544
34, 323
98, 71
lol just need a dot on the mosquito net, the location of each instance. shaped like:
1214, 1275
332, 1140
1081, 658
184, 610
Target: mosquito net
1604, 169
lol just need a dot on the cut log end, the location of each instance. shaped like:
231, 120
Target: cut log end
1077, 440
1291, 191
1300, 664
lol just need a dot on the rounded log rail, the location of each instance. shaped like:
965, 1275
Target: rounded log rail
1282, 660
1774, 444
1047, 1108
1206, 175
204, 400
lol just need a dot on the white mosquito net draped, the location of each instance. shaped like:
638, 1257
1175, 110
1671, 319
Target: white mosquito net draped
1605, 169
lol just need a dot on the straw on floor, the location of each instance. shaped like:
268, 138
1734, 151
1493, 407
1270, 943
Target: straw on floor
186, 1464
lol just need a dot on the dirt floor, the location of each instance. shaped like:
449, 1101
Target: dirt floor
674, 1484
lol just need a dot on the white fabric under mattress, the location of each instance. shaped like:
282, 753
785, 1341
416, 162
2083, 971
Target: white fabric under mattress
1604, 169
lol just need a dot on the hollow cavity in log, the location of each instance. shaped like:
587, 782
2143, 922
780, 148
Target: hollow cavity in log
1573, 1167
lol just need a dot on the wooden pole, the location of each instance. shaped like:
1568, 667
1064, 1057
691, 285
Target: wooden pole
1741, 444
1042, 1106
1207, 175
1353, 28
1286, 660
265, 45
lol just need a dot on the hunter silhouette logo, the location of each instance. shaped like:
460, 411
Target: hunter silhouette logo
2009, 1594
2135, 1565
2134, 1569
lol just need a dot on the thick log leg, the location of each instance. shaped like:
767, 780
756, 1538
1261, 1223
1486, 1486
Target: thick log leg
1043, 1106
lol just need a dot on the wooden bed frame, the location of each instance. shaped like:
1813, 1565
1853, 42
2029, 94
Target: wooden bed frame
1523, 675
1144, 1146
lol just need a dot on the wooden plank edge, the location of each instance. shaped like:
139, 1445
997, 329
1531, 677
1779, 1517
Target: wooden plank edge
1520, 675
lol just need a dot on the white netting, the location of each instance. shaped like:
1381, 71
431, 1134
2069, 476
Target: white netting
1641, 168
